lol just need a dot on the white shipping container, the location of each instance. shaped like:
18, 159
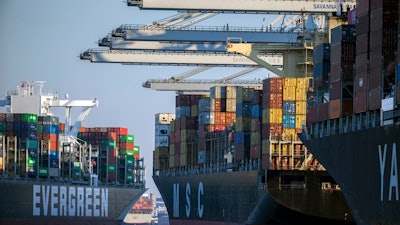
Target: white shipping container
164, 118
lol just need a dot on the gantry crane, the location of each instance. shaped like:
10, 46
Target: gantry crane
240, 6
183, 86
171, 42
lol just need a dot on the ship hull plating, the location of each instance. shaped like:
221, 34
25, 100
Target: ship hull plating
27, 202
365, 164
237, 198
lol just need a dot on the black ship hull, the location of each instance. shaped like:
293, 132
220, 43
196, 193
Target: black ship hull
365, 165
242, 198
33, 203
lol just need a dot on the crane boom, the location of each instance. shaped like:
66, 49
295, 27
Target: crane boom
177, 58
243, 6
203, 34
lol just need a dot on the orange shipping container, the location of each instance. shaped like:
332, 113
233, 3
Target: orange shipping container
334, 108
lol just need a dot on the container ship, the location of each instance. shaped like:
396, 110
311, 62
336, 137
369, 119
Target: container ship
232, 156
142, 211
54, 173
354, 130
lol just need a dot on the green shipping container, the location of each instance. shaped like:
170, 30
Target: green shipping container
3, 126
109, 143
111, 168
30, 118
43, 171
127, 138
129, 177
32, 162
136, 149
130, 162
126, 152
32, 144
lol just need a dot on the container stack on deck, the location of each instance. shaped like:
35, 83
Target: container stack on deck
183, 145
259, 127
343, 50
162, 130
30, 147
116, 152
284, 112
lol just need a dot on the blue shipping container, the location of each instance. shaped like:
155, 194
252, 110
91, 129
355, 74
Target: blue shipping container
289, 121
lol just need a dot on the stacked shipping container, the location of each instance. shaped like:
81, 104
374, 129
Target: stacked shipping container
284, 113
183, 145
30, 148
377, 29
341, 79
262, 125
162, 132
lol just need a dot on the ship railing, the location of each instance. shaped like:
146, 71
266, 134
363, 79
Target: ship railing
209, 168
345, 124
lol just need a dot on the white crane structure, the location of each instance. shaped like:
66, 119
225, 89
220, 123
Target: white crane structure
247, 6
174, 41
184, 86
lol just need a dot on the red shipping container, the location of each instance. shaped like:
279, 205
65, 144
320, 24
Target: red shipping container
360, 102
273, 85
177, 149
254, 152
398, 93
272, 100
361, 65
238, 152
362, 7
374, 99
362, 43
376, 16
375, 77
334, 109
272, 130
362, 26
265, 162
112, 156
335, 90
323, 111
311, 115
335, 71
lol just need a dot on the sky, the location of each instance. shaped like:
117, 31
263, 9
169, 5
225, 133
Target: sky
42, 40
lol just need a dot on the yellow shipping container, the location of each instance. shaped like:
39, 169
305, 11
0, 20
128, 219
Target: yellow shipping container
272, 115
303, 83
231, 92
183, 160
300, 120
289, 134
171, 149
301, 94
289, 93
172, 126
171, 161
183, 147
255, 138
289, 82
231, 104
301, 107
194, 110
